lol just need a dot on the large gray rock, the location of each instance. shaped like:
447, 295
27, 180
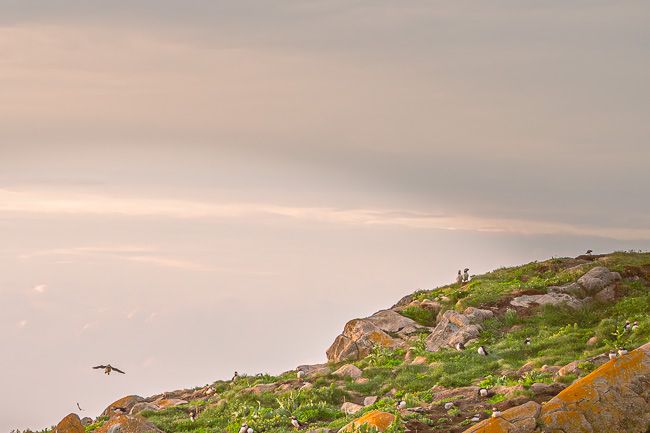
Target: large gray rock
455, 327
386, 328
349, 370
597, 279
349, 408
526, 301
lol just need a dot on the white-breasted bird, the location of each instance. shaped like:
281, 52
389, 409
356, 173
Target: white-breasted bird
108, 368
466, 275
635, 326
527, 341
476, 418
482, 351
612, 354
244, 428
495, 412
300, 374
250, 430
235, 376
627, 326
622, 351
297, 424
448, 405
193, 412
589, 252
459, 278
483, 392
401, 405
460, 346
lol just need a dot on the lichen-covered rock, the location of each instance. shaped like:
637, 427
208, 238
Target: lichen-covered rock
454, 327
520, 419
169, 402
597, 279
375, 418
526, 301
360, 336
128, 424
349, 370
142, 406
350, 408
314, 370
125, 403
70, 424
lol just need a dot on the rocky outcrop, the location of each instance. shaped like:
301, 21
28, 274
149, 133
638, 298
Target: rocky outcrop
125, 403
349, 370
527, 301
597, 279
350, 408
386, 328
375, 418
70, 424
615, 398
128, 424
454, 327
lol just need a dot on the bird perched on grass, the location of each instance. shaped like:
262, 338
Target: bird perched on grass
612, 354
483, 392
622, 351
495, 412
448, 405
627, 327
460, 346
401, 405
527, 341
193, 413
465, 275
235, 377
297, 424
459, 278
482, 351
635, 326
476, 418
244, 428
108, 368
300, 374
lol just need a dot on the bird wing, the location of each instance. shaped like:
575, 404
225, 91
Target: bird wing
118, 370
100, 366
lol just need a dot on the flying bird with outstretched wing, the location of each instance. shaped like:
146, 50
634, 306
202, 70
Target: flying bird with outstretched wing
108, 368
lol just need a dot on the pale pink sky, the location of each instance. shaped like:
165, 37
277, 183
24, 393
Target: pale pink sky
193, 188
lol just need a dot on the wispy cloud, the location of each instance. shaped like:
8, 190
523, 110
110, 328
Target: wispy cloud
21, 324
41, 288
49, 203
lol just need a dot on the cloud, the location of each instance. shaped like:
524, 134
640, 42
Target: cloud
77, 205
22, 324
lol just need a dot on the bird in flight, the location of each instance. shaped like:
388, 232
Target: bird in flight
79, 406
108, 368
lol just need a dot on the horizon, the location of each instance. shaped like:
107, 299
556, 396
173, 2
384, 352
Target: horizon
193, 188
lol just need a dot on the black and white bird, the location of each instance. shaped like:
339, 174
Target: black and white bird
622, 351
79, 406
495, 412
476, 418
448, 405
244, 428
589, 252
612, 354
297, 424
108, 368
483, 392
460, 346
300, 374
628, 326
401, 405
482, 351
193, 413
235, 377
466, 275
459, 278
119, 410
635, 326
527, 341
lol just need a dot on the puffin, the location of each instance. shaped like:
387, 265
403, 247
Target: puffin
459, 278
622, 351
108, 368
297, 424
635, 326
495, 412
119, 410
589, 252
627, 326
483, 392
466, 275
449, 405
300, 374
612, 354
193, 413
476, 418
244, 428
527, 341
482, 351
401, 405
460, 346
235, 377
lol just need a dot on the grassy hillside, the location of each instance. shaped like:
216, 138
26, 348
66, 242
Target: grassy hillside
559, 335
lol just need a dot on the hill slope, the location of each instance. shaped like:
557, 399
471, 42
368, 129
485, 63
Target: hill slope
573, 310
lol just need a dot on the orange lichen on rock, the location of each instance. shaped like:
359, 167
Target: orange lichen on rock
70, 424
377, 419
128, 424
126, 403
490, 425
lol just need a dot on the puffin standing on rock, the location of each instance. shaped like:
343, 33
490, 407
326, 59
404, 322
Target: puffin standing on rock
622, 351
612, 354
465, 275
460, 346
483, 392
495, 412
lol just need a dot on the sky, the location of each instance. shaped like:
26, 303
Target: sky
189, 188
